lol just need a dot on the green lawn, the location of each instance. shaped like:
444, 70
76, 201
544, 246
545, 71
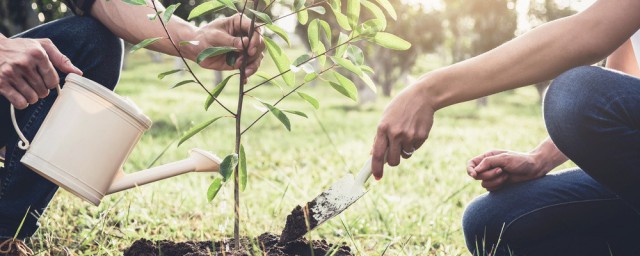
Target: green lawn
414, 210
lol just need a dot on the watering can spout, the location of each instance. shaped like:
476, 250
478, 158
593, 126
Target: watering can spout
199, 161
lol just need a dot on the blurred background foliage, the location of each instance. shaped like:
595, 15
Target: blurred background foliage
441, 32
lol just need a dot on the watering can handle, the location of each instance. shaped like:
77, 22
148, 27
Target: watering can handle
24, 142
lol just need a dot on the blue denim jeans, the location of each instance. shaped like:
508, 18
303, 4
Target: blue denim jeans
593, 116
98, 53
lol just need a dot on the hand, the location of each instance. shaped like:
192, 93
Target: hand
232, 32
27, 70
404, 127
498, 167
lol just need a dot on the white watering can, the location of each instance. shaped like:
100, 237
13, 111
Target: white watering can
86, 138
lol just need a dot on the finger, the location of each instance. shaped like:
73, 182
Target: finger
489, 175
380, 145
58, 59
254, 45
25, 89
495, 184
393, 157
489, 162
16, 99
35, 81
241, 24
407, 150
471, 172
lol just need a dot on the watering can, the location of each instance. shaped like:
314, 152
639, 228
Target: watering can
86, 138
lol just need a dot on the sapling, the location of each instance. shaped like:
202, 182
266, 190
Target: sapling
332, 55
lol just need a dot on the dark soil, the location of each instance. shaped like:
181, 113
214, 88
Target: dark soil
297, 221
265, 244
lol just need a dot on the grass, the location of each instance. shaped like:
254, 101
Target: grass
415, 209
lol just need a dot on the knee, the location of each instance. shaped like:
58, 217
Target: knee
570, 101
93, 35
480, 226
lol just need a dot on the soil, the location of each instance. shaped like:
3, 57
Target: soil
296, 225
265, 244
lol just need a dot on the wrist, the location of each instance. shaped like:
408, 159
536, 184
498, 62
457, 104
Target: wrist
430, 89
185, 32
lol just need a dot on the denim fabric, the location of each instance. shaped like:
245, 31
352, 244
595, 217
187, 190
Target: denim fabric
98, 53
589, 114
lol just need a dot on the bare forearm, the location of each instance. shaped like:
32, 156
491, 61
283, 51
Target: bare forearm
548, 156
539, 55
130, 22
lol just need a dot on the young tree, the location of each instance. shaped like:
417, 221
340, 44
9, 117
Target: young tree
327, 55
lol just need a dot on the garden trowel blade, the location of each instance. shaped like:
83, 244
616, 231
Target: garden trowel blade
327, 205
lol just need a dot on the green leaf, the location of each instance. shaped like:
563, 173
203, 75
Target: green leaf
280, 32
242, 169
303, 17
342, 19
135, 2
367, 69
303, 63
298, 4
262, 16
345, 86
348, 65
196, 129
229, 4
144, 44
377, 12
215, 186
153, 16
204, 8
356, 55
298, 113
163, 74
310, 77
353, 12
327, 30
336, 4
369, 82
231, 58
166, 16
309, 99
318, 9
213, 51
302, 59
194, 42
181, 83
391, 41
371, 27
313, 34
281, 61
389, 8
216, 92
279, 114
320, 49
342, 39
227, 165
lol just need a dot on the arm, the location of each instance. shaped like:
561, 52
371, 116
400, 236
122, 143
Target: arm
624, 59
539, 55
130, 22
497, 168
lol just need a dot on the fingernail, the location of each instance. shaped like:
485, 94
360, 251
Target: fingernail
499, 170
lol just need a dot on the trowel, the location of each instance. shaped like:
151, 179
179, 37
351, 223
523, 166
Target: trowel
327, 205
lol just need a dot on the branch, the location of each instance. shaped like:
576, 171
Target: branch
164, 26
296, 12
282, 98
304, 62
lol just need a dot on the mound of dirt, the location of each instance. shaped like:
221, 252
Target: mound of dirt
265, 244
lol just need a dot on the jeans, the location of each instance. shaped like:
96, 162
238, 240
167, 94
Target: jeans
593, 116
98, 53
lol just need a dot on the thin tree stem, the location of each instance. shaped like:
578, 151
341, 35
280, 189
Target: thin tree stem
282, 98
164, 26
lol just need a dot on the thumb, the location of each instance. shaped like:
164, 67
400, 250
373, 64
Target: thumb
232, 41
58, 59
491, 162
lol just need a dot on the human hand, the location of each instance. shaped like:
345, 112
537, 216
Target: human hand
404, 127
27, 69
499, 167
232, 32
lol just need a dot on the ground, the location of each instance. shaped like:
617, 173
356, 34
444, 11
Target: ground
414, 210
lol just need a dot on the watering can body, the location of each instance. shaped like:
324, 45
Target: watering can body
88, 135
